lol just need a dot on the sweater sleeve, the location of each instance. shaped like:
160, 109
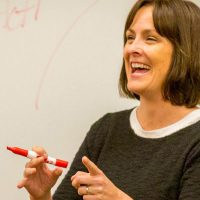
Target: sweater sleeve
190, 182
91, 147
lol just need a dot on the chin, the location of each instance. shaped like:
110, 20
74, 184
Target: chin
135, 89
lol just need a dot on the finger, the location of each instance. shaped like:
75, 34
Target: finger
92, 168
57, 172
88, 190
82, 180
89, 197
36, 162
82, 190
29, 172
79, 173
22, 183
39, 150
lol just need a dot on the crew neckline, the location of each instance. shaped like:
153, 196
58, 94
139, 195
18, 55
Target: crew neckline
188, 120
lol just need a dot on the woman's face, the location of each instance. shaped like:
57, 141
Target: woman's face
147, 55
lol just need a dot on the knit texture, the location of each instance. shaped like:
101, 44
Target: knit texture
166, 168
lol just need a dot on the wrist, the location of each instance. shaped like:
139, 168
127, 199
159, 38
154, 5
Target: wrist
46, 197
123, 196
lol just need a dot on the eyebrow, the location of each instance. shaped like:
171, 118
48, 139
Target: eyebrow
145, 31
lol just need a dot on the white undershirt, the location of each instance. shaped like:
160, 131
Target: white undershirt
189, 119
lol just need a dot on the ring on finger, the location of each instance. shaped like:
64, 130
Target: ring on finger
88, 190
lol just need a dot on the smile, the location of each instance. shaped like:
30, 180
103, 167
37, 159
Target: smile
139, 68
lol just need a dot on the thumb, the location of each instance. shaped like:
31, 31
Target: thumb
91, 167
56, 173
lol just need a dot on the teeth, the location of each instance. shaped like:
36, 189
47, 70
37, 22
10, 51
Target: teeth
139, 66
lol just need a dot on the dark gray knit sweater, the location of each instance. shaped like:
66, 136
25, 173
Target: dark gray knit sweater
167, 168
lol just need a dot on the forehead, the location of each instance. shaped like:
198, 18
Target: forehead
143, 18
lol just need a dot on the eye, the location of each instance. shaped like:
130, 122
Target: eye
151, 39
130, 38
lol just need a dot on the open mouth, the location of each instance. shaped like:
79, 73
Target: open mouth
139, 68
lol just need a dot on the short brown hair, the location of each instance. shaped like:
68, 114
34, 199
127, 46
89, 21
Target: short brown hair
179, 22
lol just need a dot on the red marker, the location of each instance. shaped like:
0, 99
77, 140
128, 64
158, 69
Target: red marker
33, 154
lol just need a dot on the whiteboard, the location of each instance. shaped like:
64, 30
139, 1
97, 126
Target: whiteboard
60, 64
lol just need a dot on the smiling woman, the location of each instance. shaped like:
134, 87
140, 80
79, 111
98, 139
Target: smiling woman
176, 22
147, 50
150, 152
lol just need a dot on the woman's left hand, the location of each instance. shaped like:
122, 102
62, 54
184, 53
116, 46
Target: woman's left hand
95, 185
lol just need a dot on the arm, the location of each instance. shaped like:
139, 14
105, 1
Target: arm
190, 181
78, 175
91, 147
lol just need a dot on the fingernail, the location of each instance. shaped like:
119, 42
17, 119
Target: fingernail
72, 177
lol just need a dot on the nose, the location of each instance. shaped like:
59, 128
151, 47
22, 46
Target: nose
135, 48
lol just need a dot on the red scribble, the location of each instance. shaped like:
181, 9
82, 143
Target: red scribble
37, 10
13, 12
55, 51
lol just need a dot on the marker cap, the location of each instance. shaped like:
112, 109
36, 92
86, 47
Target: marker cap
61, 163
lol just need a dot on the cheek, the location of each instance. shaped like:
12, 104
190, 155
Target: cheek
165, 63
126, 52
165, 57
125, 57
161, 60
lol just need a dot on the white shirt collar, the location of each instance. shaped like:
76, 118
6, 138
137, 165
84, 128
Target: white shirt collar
189, 119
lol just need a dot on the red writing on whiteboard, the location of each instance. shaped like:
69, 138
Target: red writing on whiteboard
55, 51
15, 14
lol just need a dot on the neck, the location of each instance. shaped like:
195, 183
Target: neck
158, 114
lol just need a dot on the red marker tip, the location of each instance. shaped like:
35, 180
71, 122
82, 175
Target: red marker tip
9, 148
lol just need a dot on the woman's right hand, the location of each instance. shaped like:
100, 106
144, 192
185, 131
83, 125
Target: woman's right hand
38, 178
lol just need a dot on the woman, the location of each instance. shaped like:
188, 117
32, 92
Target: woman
151, 152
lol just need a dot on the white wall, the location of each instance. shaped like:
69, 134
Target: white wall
59, 69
